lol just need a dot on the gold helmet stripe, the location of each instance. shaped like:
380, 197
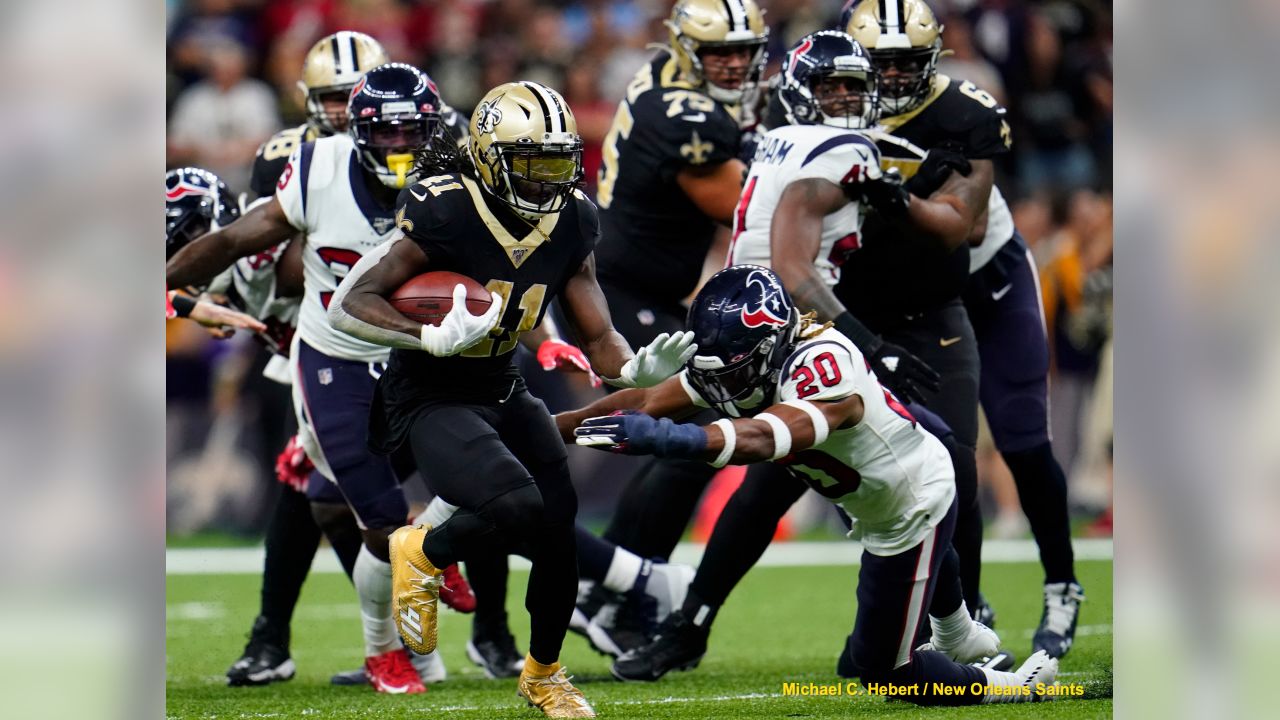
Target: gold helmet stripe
892, 32
552, 121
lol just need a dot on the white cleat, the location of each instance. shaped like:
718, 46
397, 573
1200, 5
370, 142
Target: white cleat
430, 667
981, 642
1027, 684
668, 584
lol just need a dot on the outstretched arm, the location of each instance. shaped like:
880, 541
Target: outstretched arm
666, 399
780, 430
199, 262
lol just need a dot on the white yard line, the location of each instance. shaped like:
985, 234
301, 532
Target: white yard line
222, 561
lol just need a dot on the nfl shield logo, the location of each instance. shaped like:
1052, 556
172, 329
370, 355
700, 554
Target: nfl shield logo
517, 255
325, 375
383, 225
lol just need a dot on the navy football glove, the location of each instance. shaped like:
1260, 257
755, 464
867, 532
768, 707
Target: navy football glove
634, 433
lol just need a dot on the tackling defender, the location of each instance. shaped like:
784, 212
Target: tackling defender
802, 395
513, 219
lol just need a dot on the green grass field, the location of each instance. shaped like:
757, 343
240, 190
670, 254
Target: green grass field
782, 624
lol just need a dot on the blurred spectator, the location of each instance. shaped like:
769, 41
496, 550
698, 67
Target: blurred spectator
201, 23
1077, 301
965, 63
386, 20
594, 115
545, 56
218, 123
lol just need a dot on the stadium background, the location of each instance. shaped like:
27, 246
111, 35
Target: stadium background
231, 83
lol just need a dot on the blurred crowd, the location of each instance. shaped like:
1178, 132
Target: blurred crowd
232, 74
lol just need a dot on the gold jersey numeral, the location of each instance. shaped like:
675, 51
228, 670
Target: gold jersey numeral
530, 305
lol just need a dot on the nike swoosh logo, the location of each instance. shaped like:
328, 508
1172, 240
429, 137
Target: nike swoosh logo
948, 342
1001, 292
421, 198
694, 118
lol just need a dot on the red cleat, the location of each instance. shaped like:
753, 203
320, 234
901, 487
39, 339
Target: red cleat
393, 673
456, 592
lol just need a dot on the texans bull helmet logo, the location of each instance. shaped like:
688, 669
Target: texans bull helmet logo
764, 309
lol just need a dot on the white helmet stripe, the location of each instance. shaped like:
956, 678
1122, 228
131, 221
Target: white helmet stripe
551, 110
344, 63
737, 14
892, 28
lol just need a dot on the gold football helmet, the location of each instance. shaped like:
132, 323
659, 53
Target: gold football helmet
716, 25
332, 68
526, 147
905, 41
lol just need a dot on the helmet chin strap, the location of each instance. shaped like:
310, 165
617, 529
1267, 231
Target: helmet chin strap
725, 95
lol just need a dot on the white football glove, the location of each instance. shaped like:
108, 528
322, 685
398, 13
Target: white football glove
460, 329
657, 361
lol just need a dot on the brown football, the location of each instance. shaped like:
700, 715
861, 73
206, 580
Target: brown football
428, 297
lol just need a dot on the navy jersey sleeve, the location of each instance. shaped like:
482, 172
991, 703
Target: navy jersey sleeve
424, 217
976, 121
684, 128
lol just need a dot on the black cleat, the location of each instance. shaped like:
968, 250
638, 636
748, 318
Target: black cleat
265, 659
1057, 629
1002, 661
678, 645
984, 612
497, 657
623, 626
591, 597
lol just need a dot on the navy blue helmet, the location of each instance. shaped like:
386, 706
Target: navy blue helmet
195, 202
394, 112
745, 324
828, 79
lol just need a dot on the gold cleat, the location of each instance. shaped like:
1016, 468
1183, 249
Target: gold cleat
547, 688
415, 589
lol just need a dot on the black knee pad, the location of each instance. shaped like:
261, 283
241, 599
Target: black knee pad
517, 512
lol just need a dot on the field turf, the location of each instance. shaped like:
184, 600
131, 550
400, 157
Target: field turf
783, 624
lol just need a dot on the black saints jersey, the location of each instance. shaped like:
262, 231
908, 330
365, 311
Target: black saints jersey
893, 275
273, 155
463, 229
655, 239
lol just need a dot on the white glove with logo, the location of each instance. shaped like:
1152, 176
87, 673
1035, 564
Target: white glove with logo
657, 361
460, 329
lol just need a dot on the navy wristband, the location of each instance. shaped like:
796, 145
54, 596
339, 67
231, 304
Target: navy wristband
183, 305
679, 440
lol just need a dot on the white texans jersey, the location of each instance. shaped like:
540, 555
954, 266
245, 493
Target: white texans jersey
796, 152
250, 284
893, 478
323, 194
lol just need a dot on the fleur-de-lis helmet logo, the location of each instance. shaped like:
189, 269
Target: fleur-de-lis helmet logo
489, 115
